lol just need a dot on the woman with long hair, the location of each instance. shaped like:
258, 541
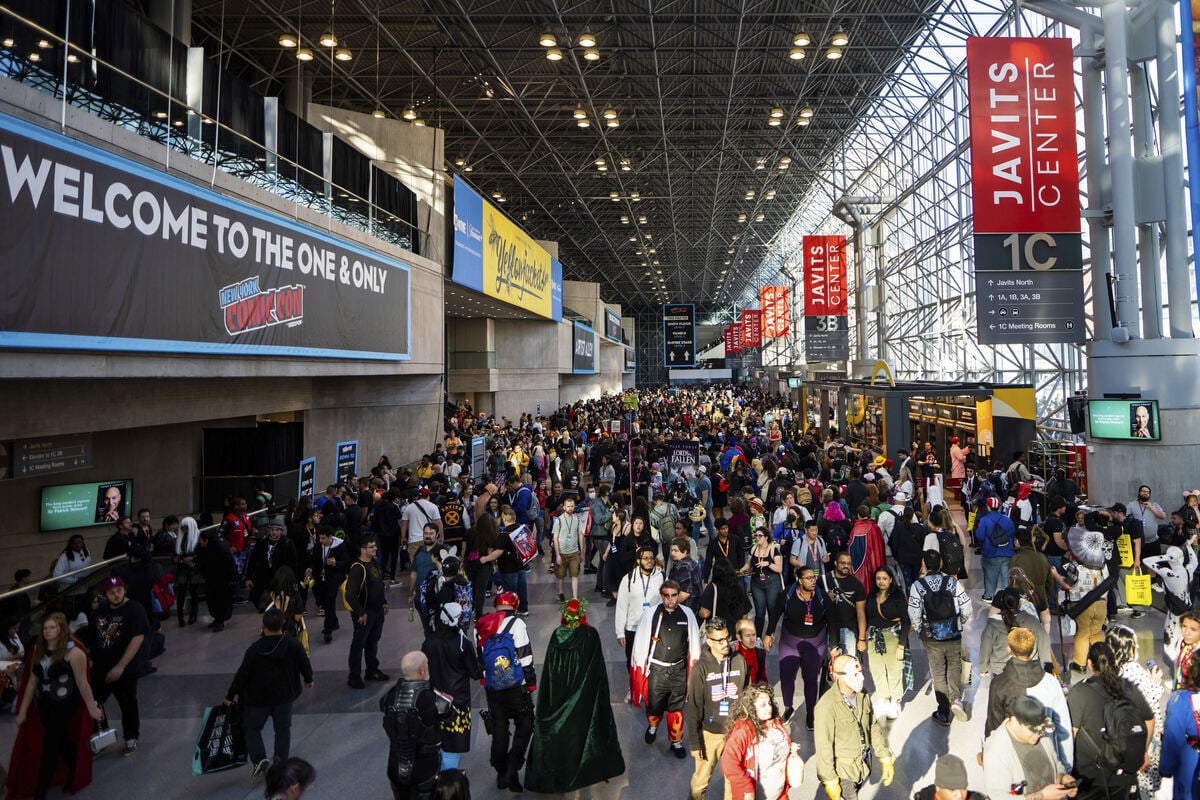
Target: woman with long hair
758, 748
73, 557
284, 594
185, 571
483, 550
1031, 602
288, 780
805, 618
53, 715
1149, 683
621, 554
887, 639
1009, 611
766, 578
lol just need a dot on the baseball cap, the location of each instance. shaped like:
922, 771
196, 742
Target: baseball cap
423, 492
113, 581
1031, 713
950, 772
701, 469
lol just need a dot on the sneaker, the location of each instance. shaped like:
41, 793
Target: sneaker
260, 770
1112, 617
320, 612
514, 783
377, 675
808, 719
487, 592
894, 710
1138, 613
651, 734
562, 598
941, 718
986, 600
787, 715
522, 613
130, 747
1077, 668
677, 750
960, 713
327, 636
1124, 610
612, 602
501, 780
356, 682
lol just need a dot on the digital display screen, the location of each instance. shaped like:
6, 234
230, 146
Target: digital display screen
1123, 419
82, 505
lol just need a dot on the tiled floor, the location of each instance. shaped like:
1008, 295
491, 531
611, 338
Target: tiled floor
339, 731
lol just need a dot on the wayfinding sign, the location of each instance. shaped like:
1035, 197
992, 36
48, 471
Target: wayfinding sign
1025, 191
679, 334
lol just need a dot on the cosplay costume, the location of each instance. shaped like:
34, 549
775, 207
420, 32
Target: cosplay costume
575, 735
666, 646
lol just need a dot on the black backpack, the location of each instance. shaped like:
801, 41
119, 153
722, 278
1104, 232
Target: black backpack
907, 541
952, 552
941, 621
1122, 742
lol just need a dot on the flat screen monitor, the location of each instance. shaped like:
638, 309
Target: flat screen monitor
82, 505
1124, 419
793, 383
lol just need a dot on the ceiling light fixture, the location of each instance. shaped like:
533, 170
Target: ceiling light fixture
419, 123
749, 194
803, 122
610, 113
44, 44
591, 54
583, 123
774, 122
304, 54
460, 162
626, 166
72, 58
642, 219
759, 217
797, 54
635, 197
770, 195
806, 112
579, 113
833, 53
379, 113
586, 39
287, 40
547, 39
840, 39
328, 40
624, 219
613, 123
741, 217
776, 113
9, 41
760, 163
343, 54
554, 54
801, 39
409, 114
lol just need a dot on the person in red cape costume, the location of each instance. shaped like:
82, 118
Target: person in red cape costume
56, 711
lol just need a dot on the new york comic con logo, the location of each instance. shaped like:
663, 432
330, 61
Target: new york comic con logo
246, 307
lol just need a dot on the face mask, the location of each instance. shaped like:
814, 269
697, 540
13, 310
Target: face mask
854, 681
591, 495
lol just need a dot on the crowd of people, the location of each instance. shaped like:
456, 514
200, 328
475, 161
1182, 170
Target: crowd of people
721, 529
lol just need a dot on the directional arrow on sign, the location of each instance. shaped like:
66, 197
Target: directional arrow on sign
671, 356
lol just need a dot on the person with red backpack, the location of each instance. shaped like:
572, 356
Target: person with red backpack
509, 681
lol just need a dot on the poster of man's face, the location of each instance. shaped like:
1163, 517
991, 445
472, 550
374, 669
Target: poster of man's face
1141, 421
110, 502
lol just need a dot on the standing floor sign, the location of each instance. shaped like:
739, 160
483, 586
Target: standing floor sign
308, 478
479, 458
683, 457
1025, 191
103, 253
679, 334
347, 461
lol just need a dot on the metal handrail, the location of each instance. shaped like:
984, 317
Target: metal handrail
90, 568
85, 56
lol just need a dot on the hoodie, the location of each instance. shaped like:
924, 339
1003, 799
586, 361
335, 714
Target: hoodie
1030, 678
271, 671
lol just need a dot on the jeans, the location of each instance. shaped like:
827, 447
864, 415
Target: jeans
125, 690
945, 667
366, 639
765, 592
1056, 563
911, 573
516, 582
255, 719
847, 640
995, 575
450, 760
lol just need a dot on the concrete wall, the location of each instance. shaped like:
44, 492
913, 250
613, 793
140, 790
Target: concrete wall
1166, 370
528, 363
415, 156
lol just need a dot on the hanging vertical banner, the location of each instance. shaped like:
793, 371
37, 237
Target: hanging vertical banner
826, 332
735, 334
1025, 191
774, 302
728, 340
679, 334
752, 328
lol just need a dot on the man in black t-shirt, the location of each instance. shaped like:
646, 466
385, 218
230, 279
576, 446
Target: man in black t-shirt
1056, 548
849, 612
1133, 529
120, 627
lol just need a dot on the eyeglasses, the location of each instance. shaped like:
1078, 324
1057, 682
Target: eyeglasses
724, 640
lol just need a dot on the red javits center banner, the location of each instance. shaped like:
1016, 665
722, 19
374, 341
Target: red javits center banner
774, 303
1025, 191
752, 328
826, 333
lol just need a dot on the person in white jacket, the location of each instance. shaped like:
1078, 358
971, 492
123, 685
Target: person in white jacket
637, 592
1004, 770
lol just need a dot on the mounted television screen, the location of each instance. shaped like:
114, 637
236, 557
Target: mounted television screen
1123, 419
793, 383
81, 505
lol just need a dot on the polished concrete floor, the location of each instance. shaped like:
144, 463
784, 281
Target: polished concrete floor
339, 731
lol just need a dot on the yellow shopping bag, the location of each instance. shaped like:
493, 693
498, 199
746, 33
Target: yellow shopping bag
1125, 550
1137, 588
